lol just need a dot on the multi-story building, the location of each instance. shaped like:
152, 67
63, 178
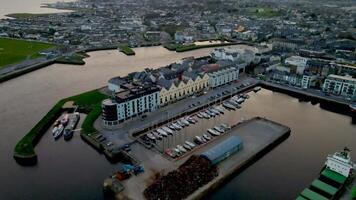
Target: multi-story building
340, 85
175, 89
308, 80
222, 76
132, 100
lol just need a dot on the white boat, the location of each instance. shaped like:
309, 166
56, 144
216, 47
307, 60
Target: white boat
200, 115
162, 132
225, 126
256, 89
206, 136
187, 147
352, 107
220, 109
180, 123
157, 135
176, 126
228, 106
190, 144
151, 136
212, 132
198, 139
185, 121
167, 130
206, 116
58, 132
340, 162
177, 151
181, 148
214, 111
218, 129
211, 114
240, 100
54, 129
171, 127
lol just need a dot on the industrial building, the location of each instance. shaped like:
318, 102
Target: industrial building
223, 150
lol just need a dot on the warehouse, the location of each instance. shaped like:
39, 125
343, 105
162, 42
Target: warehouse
223, 150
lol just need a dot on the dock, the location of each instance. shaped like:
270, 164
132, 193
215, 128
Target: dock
259, 135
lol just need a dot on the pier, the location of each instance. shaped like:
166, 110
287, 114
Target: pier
259, 135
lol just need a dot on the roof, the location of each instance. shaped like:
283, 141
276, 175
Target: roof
324, 187
348, 78
220, 149
117, 80
334, 176
312, 195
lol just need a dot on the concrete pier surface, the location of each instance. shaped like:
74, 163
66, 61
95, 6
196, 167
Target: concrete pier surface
257, 134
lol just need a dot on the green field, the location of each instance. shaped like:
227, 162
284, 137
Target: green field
124, 48
88, 102
13, 50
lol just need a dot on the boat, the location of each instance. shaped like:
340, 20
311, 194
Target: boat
151, 136
59, 132
333, 178
213, 133
54, 129
216, 112
205, 115
353, 107
171, 127
200, 115
170, 153
198, 140
228, 106
220, 109
177, 152
181, 148
64, 119
240, 100
180, 123
190, 120
206, 136
157, 135
67, 133
225, 126
219, 129
190, 144
176, 126
167, 130
211, 114
187, 147
256, 89
162, 132
185, 121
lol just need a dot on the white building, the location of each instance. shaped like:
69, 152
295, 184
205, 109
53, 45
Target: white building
223, 76
307, 81
340, 85
298, 61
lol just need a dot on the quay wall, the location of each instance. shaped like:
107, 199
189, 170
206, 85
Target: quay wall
238, 168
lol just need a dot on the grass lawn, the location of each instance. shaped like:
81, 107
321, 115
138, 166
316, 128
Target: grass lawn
13, 50
124, 48
189, 47
90, 102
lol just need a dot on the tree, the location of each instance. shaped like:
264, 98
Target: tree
353, 194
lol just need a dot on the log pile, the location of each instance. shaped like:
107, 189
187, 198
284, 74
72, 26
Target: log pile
179, 184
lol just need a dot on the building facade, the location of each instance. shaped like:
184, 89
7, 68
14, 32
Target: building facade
340, 85
223, 76
132, 101
174, 90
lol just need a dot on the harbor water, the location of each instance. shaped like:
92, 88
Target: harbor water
74, 170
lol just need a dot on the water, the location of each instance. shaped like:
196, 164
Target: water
74, 170
28, 6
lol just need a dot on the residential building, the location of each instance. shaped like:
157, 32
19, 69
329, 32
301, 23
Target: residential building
308, 80
176, 89
340, 85
132, 100
222, 76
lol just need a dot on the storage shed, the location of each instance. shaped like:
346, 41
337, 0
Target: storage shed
223, 150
